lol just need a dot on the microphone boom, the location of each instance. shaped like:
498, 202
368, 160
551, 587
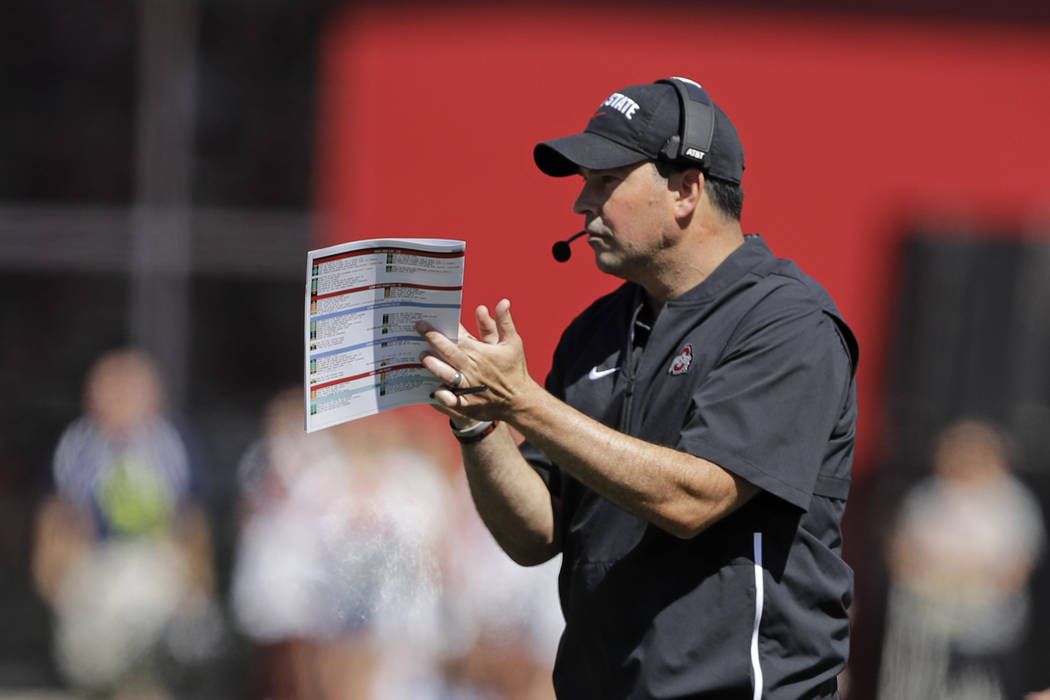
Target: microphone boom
561, 250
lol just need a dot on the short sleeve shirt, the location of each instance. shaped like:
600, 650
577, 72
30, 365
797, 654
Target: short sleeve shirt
752, 370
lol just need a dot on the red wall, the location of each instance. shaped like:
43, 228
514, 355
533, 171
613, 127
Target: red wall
852, 128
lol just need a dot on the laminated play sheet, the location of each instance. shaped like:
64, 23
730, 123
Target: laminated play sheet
363, 299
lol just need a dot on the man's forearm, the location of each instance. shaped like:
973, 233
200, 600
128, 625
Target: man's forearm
511, 498
679, 492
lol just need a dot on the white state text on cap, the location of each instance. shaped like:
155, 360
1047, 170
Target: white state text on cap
622, 104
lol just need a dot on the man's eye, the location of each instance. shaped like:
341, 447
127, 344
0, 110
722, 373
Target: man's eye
603, 180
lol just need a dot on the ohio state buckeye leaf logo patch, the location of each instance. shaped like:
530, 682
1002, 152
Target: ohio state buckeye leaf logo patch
680, 364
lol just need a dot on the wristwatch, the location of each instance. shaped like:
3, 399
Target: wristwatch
474, 433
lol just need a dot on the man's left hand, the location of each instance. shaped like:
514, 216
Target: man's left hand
494, 358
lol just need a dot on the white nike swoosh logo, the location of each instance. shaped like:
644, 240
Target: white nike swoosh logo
596, 373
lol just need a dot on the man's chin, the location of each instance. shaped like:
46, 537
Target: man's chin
608, 263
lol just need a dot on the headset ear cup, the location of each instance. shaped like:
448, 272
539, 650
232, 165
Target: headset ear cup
671, 147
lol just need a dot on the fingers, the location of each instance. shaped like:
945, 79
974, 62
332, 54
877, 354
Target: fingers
441, 369
447, 405
445, 401
486, 325
445, 348
477, 358
504, 323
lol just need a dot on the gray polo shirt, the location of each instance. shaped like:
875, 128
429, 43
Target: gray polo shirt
753, 370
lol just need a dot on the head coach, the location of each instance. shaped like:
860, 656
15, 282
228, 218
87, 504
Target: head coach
690, 452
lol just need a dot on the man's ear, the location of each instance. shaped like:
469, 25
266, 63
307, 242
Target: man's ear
688, 188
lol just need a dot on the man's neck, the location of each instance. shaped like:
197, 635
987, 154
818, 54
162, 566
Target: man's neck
693, 262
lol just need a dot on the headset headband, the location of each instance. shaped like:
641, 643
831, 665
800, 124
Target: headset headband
697, 123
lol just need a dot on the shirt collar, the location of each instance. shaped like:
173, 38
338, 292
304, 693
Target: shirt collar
741, 261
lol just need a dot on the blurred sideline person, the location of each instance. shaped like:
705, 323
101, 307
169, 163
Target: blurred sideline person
690, 455
351, 573
503, 621
336, 561
966, 542
122, 550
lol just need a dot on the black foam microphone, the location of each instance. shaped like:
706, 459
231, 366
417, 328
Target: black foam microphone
561, 250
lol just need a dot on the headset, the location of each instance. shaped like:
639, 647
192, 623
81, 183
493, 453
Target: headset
696, 126
692, 143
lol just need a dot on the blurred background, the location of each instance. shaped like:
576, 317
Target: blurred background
167, 531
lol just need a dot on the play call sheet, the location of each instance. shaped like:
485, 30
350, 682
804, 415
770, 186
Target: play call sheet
363, 300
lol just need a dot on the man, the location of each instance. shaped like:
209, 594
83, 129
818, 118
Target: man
690, 455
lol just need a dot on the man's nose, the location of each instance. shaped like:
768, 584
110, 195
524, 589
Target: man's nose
584, 203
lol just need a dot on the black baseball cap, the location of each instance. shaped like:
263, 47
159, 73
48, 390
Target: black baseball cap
643, 122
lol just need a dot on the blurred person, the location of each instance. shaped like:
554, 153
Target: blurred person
337, 575
122, 549
503, 621
690, 453
965, 544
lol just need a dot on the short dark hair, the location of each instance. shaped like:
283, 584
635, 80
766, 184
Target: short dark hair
728, 197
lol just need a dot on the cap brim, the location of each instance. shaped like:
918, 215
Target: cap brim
565, 156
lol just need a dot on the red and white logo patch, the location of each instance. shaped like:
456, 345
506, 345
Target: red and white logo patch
680, 364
